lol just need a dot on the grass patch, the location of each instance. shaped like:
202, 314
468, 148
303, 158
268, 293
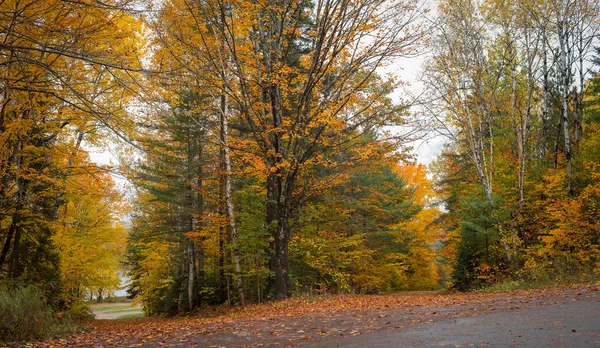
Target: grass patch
129, 316
122, 310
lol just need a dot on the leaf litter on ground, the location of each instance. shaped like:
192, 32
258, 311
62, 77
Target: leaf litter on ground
301, 319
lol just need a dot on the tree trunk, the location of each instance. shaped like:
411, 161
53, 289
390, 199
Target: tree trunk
201, 275
181, 272
191, 210
229, 199
271, 224
545, 94
281, 243
6, 248
283, 196
223, 235
565, 81
223, 290
191, 267
576, 121
557, 142
282, 238
15, 271
199, 197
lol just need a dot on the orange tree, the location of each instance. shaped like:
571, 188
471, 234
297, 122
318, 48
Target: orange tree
302, 77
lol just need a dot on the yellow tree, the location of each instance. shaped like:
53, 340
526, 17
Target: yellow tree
89, 235
65, 77
422, 230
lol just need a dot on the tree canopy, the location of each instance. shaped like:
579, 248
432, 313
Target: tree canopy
269, 154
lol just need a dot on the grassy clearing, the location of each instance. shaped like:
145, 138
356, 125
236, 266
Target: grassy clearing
122, 310
113, 311
129, 316
116, 299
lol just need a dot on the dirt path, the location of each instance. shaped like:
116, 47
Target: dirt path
566, 317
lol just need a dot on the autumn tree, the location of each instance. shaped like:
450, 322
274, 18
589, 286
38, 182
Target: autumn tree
89, 236
503, 89
66, 69
366, 229
299, 75
463, 81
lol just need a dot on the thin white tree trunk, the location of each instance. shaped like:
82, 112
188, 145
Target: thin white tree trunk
565, 81
229, 200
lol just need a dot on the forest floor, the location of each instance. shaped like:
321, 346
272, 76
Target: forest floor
556, 317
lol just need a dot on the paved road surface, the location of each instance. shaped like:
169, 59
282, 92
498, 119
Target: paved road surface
570, 324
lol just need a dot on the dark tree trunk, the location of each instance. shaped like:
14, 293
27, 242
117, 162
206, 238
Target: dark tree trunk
191, 268
15, 266
200, 223
201, 276
272, 229
11, 231
282, 238
222, 283
281, 258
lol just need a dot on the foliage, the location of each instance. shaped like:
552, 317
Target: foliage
24, 314
90, 239
268, 159
518, 175
80, 311
66, 77
263, 164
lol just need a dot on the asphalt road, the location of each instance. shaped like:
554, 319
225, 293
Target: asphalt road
574, 323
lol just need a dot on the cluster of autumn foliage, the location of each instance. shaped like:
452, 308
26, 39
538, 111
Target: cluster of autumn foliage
519, 176
63, 89
253, 133
268, 171
256, 135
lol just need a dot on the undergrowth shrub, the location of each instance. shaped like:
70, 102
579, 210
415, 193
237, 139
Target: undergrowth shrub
23, 314
80, 311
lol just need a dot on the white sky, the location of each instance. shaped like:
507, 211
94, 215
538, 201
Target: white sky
409, 70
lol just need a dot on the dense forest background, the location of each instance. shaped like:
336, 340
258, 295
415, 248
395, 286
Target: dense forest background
261, 142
